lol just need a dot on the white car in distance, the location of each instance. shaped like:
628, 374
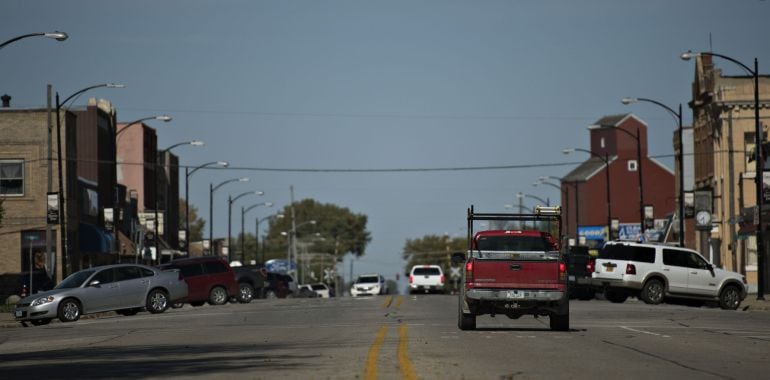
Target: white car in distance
369, 285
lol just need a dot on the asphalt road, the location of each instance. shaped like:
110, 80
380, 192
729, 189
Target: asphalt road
393, 337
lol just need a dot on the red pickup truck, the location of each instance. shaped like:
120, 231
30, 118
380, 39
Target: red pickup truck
514, 272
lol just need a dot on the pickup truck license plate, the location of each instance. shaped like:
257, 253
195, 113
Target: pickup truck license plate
515, 294
19, 313
609, 268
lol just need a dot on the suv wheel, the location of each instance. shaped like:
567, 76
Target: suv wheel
730, 298
218, 296
245, 292
652, 292
615, 296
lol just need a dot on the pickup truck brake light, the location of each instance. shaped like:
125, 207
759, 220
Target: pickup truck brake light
562, 271
469, 271
630, 269
591, 265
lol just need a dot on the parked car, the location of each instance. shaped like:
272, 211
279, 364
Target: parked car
654, 272
251, 281
368, 285
209, 279
321, 289
306, 291
426, 278
277, 285
125, 288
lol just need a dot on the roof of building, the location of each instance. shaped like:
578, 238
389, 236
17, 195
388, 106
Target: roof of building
586, 170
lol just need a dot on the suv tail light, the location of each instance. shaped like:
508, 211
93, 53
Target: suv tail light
442, 279
591, 265
469, 271
630, 269
411, 278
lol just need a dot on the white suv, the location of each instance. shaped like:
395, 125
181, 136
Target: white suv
426, 278
653, 272
369, 285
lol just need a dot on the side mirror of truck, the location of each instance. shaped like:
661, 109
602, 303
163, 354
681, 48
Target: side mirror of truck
458, 258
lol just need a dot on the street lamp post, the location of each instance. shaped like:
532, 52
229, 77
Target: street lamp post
212, 189
243, 233
162, 153
760, 165
62, 192
56, 35
606, 160
187, 174
678, 117
269, 217
230, 201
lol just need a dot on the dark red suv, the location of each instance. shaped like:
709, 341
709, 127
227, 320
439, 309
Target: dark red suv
208, 279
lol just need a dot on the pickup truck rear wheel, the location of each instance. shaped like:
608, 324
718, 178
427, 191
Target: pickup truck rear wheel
559, 322
465, 321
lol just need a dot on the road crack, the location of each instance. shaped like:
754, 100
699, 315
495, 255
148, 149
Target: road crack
719, 375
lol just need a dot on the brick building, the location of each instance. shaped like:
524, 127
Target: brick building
584, 189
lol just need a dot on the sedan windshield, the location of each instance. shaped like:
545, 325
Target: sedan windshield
75, 280
368, 280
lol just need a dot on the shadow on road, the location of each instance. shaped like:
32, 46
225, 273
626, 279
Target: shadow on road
144, 361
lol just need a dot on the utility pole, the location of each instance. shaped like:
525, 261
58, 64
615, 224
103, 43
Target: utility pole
293, 234
50, 252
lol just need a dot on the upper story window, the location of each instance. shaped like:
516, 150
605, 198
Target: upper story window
748, 148
12, 177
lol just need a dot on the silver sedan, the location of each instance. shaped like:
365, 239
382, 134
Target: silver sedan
125, 288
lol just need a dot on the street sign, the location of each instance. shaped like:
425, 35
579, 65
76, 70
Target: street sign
454, 272
52, 211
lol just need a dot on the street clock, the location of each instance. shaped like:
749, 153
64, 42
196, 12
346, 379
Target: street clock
703, 220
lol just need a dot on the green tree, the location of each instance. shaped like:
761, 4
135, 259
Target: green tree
432, 249
196, 224
339, 231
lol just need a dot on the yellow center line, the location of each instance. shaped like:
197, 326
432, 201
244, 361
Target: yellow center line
386, 303
374, 351
399, 300
403, 357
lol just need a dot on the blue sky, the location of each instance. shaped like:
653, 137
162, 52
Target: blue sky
379, 85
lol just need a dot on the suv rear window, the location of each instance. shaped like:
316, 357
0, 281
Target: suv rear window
426, 272
628, 253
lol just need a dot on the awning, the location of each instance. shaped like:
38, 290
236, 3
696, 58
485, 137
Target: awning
94, 239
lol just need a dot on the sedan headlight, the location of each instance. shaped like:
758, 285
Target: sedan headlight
42, 301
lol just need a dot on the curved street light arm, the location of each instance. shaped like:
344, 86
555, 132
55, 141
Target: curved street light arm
606, 161
58, 36
164, 118
243, 179
108, 85
266, 204
677, 115
220, 163
246, 193
686, 56
534, 197
549, 184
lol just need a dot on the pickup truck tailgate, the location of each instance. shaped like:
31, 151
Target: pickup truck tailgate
514, 274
